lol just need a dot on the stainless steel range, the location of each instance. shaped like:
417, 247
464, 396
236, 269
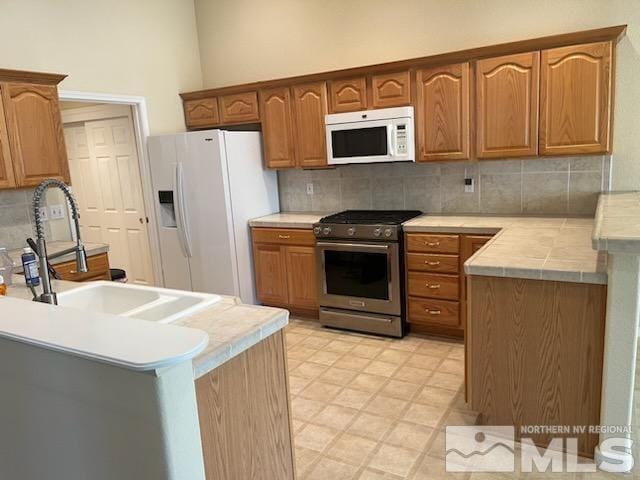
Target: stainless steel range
361, 282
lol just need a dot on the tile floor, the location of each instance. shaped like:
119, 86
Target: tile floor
369, 408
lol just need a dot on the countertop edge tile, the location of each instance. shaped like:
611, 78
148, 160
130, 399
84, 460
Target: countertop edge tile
288, 220
617, 223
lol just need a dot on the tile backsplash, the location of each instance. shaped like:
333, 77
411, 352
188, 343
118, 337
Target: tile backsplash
549, 186
16, 218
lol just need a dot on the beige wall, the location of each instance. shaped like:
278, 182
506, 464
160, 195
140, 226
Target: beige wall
128, 47
248, 40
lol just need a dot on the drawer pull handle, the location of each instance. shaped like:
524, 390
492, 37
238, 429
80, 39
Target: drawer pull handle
433, 312
435, 286
433, 264
284, 237
432, 244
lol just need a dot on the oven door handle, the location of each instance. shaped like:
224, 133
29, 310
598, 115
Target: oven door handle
360, 247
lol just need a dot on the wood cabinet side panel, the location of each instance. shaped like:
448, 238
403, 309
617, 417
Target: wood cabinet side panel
7, 179
535, 351
244, 413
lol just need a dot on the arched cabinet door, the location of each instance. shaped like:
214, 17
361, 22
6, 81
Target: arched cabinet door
277, 128
507, 106
576, 94
442, 113
310, 107
391, 89
35, 132
348, 95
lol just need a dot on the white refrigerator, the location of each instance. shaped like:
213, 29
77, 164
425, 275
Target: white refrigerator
207, 186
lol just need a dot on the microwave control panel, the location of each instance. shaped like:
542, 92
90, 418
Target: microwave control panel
401, 139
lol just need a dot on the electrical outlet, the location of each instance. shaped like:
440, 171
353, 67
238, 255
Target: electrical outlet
310, 188
468, 185
44, 214
56, 212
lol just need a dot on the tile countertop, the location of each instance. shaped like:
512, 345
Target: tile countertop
617, 223
53, 247
289, 220
232, 326
543, 248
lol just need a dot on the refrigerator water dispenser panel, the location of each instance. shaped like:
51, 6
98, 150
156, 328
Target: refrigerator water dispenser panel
167, 210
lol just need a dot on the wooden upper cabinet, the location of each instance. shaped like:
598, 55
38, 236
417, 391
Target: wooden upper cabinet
576, 95
202, 112
391, 89
239, 108
348, 95
271, 273
507, 106
277, 128
310, 107
442, 113
7, 179
35, 132
301, 276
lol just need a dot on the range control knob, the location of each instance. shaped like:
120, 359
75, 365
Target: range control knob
387, 232
351, 231
316, 230
377, 232
327, 230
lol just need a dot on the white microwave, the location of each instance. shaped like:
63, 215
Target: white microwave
370, 136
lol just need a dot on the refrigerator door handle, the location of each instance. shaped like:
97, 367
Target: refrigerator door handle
181, 214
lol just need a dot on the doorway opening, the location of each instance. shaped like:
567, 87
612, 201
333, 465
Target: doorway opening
105, 138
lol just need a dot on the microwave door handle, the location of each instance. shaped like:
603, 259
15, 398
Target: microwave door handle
390, 146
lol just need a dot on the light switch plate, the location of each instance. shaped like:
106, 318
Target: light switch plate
44, 214
56, 212
309, 188
468, 185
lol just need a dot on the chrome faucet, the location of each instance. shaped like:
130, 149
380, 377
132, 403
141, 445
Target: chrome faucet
48, 295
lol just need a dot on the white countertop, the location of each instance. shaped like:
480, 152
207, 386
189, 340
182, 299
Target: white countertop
617, 223
121, 341
228, 328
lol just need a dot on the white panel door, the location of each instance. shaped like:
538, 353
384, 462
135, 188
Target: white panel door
85, 180
109, 191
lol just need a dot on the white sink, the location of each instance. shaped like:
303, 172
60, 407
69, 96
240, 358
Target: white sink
147, 303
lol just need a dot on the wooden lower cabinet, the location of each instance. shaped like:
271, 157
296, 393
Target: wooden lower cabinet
245, 416
98, 266
285, 269
535, 354
435, 279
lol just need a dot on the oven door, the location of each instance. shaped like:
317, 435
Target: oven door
359, 276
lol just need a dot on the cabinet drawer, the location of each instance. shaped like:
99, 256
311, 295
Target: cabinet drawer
430, 262
430, 312
432, 242
433, 285
98, 266
284, 236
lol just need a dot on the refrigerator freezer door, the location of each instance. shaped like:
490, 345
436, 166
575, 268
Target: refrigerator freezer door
208, 213
254, 193
163, 161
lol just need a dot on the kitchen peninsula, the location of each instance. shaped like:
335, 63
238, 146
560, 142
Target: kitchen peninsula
164, 411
